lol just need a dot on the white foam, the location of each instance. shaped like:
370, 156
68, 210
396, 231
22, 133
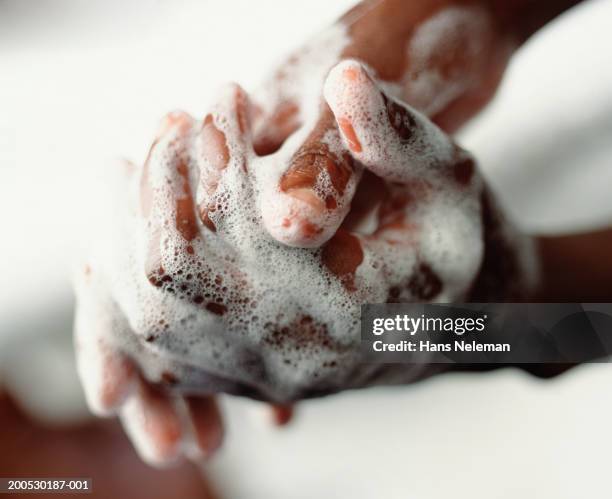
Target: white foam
454, 32
266, 289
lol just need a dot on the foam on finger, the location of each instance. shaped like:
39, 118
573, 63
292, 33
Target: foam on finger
206, 423
388, 137
222, 150
151, 420
305, 199
107, 374
267, 307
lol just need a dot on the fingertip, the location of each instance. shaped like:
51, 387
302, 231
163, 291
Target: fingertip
223, 150
107, 374
244, 109
234, 102
282, 414
207, 424
346, 81
348, 90
295, 219
179, 120
152, 423
305, 206
346, 72
115, 382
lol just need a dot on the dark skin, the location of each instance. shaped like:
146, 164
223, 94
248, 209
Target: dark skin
385, 52
562, 279
467, 63
576, 267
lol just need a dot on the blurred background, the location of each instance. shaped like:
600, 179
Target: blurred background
83, 82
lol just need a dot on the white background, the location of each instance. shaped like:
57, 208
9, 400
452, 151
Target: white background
82, 82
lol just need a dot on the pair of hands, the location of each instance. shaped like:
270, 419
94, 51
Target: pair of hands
333, 184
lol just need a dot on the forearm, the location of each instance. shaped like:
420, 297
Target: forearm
518, 19
574, 268
446, 56
443, 57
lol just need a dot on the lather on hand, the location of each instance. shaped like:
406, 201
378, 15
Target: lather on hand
248, 240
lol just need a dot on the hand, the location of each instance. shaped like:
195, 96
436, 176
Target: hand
197, 298
161, 324
442, 59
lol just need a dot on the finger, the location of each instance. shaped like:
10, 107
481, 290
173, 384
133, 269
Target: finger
394, 221
282, 414
342, 255
207, 425
370, 193
427, 241
152, 422
424, 256
386, 228
306, 203
277, 112
107, 375
383, 211
167, 201
388, 137
223, 149
392, 245
273, 128
175, 239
